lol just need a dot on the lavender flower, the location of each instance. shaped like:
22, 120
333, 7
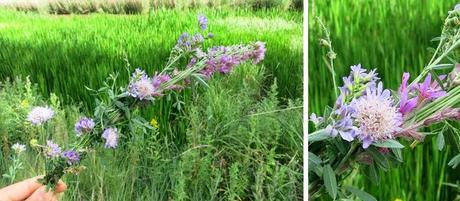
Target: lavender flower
316, 120
406, 105
203, 22
376, 117
111, 137
356, 83
142, 88
40, 115
52, 149
84, 125
259, 52
428, 90
344, 125
18, 148
71, 156
160, 79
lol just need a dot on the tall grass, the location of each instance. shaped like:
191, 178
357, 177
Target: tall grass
237, 148
82, 50
392, 36
141, 6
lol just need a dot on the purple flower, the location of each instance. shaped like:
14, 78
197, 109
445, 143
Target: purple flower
457, 7
203, 22
111, 137
259, 52
356, 83
141, 89
316, 120
52, 149
160, 79
406, 105
428, 90
344, 125
71, 156
84, 125
375, 115
39, 115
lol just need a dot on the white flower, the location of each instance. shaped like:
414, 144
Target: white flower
18, 148
40, 115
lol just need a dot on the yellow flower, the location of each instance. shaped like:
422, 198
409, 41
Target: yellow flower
154, 123
397, 199
24, 103
33, 142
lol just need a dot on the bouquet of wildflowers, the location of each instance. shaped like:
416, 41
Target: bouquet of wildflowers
366, 126
116, 117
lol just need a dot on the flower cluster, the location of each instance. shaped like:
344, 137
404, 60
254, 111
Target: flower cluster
116, 116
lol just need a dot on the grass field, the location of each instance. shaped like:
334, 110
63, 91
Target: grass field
213, 149
392, 36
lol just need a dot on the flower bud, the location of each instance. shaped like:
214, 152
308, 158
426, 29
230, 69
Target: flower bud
33, 142
324, 42
331, 55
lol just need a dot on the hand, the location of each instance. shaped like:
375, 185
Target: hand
30, 190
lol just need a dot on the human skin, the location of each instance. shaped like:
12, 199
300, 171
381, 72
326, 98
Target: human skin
31, 190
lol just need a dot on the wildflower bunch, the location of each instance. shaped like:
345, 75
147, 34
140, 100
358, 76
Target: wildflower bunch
366, 125
116, 117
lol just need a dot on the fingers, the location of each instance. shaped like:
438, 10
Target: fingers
60, 187
21, 190
42, 195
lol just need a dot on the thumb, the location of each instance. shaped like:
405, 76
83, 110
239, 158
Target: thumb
20, 190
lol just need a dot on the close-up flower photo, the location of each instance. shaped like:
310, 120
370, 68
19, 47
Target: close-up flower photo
388, 126
156, 100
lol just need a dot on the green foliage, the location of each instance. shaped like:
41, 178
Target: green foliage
241, 144
390, 36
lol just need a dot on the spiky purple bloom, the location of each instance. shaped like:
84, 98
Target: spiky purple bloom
111, 137
356, 83
84, 125
203, 22
39, 115
71, 156
406, 104
259, 52
428, 90
376, 116
52, 149
157, 80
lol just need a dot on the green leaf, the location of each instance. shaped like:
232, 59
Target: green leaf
379, 158
440, 142
443, 66
454, 161
329, 181
374, 174
361, 194
313, 159
389, 144
318, 136
398, 154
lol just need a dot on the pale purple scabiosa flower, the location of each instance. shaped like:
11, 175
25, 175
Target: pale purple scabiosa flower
406, 104
52, 149
142, 88
111, 137
203, 22
84, 125
18, 148
39, 115
376, 117
71, 156
428, 90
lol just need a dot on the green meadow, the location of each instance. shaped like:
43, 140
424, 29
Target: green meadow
238, 139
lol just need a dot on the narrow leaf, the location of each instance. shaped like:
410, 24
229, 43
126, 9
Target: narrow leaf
318, 136
389, 144
329, 181
454, 161
440, 142
361, 194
